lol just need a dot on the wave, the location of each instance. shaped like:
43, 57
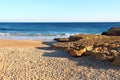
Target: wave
31, 34
24, 36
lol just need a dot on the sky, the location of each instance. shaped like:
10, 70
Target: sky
59, 10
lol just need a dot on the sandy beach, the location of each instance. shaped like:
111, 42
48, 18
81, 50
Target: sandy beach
19, 43
37, 60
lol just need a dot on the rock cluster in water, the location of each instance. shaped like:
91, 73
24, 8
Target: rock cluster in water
100, 47
112, 32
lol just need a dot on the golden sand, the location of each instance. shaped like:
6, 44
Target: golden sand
20, 43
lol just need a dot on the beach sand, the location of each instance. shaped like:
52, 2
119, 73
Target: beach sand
36, 60
19, 43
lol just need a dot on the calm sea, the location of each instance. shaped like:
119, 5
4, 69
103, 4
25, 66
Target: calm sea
47, 31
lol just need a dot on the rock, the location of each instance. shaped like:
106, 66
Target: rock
98, 46
112, 32
62, 39
114, 53
106, 44
116, 62
63, 45
98, 49
76, 53
59, 45
118, 49
101, 56
87, 53
84, 36
75, 38
112, 46
104, 33
81, 50
89, 48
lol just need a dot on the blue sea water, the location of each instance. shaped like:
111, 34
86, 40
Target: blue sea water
48, 31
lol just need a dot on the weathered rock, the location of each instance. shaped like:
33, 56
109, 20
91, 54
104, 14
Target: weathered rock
112, 46
63, 45
75, 38
98, 46
104, 33
89, 48
98, 49
112, 32
116, 62
62, 39
101, 49
56, 45
102, 56
118, 49
80, 51
76, 53
114, 53
84, 36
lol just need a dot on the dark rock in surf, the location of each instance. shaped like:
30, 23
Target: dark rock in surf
112, 32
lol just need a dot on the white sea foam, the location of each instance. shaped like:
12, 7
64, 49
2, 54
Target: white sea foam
4, 34
28, 36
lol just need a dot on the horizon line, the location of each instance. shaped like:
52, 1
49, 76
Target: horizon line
59, 22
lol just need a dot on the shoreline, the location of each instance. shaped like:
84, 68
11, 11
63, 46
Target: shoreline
42, 38
20, 43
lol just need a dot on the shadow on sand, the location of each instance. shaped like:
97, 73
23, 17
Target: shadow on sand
85, 61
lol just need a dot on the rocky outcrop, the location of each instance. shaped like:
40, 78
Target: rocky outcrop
76, 53
80, 51
75, 37
62, 39
100, 47
112, 32
104, 54
83, 36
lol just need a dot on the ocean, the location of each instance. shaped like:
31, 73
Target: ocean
49, 31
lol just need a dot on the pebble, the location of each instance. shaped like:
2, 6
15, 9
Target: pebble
37, 64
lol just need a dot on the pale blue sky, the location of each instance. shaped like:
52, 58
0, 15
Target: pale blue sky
60, 10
